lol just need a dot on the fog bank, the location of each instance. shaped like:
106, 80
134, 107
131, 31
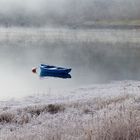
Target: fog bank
65, 12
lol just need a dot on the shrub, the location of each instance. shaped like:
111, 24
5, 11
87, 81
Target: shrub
55, 108
51, 108
6, 117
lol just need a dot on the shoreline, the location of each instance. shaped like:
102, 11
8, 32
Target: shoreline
71, 114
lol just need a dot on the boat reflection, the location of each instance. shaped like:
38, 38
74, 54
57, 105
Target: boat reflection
63, 76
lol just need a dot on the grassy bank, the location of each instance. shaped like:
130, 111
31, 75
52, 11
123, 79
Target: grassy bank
99, 112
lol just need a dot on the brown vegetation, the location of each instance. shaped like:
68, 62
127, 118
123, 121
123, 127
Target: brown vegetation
110, 118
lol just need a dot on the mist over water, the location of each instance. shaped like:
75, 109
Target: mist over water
65, 13
92, 61
64, 33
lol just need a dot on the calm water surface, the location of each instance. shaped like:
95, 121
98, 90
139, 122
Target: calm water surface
91, 62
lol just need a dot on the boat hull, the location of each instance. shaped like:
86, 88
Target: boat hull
47, 69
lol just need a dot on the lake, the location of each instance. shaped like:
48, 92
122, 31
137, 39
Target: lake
95, 56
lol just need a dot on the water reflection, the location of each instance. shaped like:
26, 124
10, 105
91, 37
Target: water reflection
92, 62
63, 76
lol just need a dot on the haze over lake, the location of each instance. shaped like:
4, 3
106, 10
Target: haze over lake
98, 39
95, 56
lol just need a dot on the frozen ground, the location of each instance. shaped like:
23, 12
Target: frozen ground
97, 112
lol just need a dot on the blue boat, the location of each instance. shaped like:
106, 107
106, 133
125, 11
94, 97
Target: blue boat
53, 70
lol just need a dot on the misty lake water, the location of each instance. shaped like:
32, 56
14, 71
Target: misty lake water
95, 56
